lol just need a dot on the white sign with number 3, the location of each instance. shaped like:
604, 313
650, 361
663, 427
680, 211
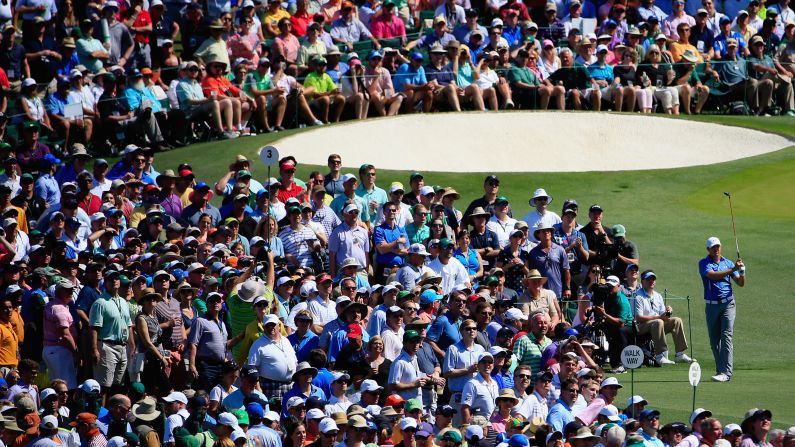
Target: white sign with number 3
269, 155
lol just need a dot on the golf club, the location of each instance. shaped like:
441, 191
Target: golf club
734, 227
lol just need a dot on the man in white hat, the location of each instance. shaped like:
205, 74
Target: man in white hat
540, 215
350, 239
717, 274
275, 358
414, 267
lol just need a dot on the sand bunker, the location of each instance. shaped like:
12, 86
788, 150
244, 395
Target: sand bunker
529, 142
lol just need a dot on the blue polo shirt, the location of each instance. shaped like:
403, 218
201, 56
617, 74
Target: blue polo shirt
603, 73
384, 233
719, 43
721, 289
443, 75
303, 346
405, 74
294, 391
443, 332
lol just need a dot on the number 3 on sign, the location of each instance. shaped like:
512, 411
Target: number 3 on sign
269, 155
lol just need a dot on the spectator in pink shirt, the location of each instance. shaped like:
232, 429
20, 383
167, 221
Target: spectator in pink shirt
286, 45
60, 333
607, 395
388, 25
378, 83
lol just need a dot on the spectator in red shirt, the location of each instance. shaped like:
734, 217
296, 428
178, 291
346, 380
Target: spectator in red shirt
139, 22
216, 85
288, 188
514, 5
301, 19
387, 25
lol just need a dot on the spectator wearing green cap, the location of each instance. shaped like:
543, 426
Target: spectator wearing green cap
404, 376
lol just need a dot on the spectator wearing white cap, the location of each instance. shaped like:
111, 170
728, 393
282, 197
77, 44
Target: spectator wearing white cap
717, 274
111, 325
698, 416
175, 413
299, 240
275, 358
540, 215
479, 395
392, 335
414, 267
338, 401
347, 197
208, 344
350, 239
608, 390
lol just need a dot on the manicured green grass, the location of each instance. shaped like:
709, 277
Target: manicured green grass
669, 214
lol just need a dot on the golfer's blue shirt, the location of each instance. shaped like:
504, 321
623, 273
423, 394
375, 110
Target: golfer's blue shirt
716, 290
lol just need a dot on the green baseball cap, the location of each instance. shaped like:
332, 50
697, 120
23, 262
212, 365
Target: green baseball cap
491, 280
124, 280
445, 243
26, 177
501, 200
415, 175
619, 231
30, 125
411, 335
243, 173
412, 404
451, 435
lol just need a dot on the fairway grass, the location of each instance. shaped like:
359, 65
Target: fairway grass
668, 214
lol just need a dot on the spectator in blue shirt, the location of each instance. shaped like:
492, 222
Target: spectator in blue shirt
409, 79
560, 414
391, 242
46, 186
56, 109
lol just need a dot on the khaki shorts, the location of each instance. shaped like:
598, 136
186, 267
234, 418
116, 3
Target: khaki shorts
112, 364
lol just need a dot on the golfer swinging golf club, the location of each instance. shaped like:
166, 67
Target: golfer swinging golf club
717, 273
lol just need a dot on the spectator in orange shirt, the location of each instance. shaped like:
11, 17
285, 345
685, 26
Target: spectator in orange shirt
216, 85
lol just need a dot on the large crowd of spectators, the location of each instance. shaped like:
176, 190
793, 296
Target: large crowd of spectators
325, 312
164, 73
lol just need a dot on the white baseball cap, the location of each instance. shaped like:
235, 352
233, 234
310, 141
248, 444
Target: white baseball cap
228, 419
731, 428
636, 400
408, 423
713, 241
370, 385
515, 314
610, 381
315, 413
350, 208
613, 280
425, 190
307, 288
473, 431
699, 412
610, 412
295, 401
116, 441
327, 425
347, 177
177, 396
90, 386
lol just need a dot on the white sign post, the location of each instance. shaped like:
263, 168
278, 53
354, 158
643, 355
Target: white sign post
632, 358
269, 156
694, 376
